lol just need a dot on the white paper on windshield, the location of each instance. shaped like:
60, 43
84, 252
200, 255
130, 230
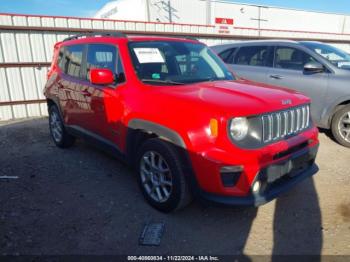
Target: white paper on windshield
149, 55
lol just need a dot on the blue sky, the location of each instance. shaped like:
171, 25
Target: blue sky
335, 6
83, 8
87, 8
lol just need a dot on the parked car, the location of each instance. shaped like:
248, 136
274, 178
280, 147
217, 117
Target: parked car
170, 108
318, 70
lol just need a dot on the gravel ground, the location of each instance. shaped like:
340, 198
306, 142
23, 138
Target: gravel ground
82, 201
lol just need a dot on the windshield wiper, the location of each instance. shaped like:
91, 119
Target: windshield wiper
162, 81
208, 79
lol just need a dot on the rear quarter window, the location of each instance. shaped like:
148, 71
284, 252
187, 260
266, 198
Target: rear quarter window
61, 59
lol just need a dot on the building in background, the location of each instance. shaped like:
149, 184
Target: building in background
207, 11
227, 16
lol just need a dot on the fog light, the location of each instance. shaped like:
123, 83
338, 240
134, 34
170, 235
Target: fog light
256, 186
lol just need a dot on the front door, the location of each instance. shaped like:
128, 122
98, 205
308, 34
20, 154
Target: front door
105, 107
288, 71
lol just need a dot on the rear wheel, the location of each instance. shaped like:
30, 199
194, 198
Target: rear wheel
57, 130
341, 126
161, 177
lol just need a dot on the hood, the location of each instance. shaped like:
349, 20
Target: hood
241, 97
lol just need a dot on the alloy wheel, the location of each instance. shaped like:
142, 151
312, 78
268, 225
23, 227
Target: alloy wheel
56, 126
344, 126
156, 176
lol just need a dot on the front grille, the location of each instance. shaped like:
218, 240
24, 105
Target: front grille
285, 123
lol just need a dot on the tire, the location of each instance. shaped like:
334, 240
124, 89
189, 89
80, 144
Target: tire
155, 181
341, 126
58, 132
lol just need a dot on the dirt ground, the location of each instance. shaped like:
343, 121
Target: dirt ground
82, 201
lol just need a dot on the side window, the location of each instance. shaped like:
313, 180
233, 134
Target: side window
105, 56
72, 60
101, 56
291, 58
227, 55
253, 56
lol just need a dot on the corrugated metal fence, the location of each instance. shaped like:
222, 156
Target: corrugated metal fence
27, 43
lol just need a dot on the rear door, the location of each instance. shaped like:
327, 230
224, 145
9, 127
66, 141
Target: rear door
72, 101
251, 62
288, 71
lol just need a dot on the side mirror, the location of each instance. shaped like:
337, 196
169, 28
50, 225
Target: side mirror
313, 67
101, 76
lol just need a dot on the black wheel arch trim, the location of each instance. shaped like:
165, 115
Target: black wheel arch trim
169, 135
56, 101
160, 130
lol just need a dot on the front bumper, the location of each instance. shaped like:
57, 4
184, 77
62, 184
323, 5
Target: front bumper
276, 179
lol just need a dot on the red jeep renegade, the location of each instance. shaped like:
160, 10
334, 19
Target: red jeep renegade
170, 108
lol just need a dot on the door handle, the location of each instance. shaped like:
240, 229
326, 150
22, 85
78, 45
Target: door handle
86, 93
276, 76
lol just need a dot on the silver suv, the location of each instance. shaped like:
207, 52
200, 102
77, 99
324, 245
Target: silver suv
318, 70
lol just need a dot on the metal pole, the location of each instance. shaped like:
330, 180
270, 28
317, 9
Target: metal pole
344, 23
170, 12
259, 19
147, 10
208, 12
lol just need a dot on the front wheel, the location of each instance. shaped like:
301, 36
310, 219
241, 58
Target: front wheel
341, 126
161, 177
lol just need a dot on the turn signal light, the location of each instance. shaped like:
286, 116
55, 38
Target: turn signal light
214, 127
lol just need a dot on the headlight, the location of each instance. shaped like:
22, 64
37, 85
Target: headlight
239, 127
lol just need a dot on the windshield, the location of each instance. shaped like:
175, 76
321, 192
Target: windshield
334, 55
176, 63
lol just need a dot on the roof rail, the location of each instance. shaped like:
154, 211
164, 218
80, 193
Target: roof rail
112, 34
165, 35
184, 37
191, 38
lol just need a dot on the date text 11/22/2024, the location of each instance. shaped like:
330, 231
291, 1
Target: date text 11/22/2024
173, 258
